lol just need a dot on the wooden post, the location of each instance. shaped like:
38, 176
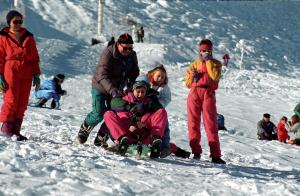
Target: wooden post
100, 16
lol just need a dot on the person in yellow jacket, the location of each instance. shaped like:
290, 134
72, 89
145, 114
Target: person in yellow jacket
202, 77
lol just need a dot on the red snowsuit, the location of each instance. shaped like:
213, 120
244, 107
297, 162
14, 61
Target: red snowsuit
282, 133
201, 99
19, 61
119, 122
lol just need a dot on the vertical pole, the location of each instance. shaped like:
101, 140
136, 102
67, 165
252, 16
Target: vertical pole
100, 16
16, 4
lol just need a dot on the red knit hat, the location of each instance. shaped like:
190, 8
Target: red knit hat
205, 44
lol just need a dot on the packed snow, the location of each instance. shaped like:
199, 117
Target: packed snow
262, 39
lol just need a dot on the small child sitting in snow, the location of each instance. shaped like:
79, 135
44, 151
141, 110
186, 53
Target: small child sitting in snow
282, 132
51, 89
158, 80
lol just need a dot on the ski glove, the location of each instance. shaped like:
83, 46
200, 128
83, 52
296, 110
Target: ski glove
207, 56
3, 85
63, 92
36, 82
196, 76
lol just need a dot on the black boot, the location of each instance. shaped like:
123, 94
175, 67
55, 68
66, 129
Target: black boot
197, 156
84, 132
123, 145
41, 102
17, 129
182, 153
155, 147
53, 104
217, 160
102, 136
21, 138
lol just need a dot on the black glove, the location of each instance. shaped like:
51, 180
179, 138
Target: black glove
137, 109
63, 92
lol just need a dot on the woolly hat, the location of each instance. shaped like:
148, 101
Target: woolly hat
266, 115
11, 14
125, 39
140, 84
60, 77
205, 44
143, 78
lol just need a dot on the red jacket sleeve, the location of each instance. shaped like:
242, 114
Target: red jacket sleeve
2, 56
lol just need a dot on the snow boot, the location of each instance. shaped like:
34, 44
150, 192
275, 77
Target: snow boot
217, 160
155, 147
182, 153
197, 156
7, 129
84, 132
164, 152
123, 145
101, 140
102, 136
41, 102
17, 129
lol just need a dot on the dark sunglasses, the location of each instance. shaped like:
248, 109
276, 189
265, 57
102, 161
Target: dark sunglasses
17, 22
204, 51
127, 48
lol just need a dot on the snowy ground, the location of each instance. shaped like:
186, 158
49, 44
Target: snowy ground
264, 79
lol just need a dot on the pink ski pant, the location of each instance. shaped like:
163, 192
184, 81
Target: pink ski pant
118, 124
201, 100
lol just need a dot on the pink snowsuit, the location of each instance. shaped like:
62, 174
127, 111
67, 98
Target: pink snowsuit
201, 99
119, 122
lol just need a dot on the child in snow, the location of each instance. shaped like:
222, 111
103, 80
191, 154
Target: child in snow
282, 132
202, 77
135, 117
295, 138
159, 82
51, 89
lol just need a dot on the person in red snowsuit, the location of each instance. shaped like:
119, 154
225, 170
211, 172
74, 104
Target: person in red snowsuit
282, 132
202, 78
19, 65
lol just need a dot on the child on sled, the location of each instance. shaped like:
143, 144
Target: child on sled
136, 117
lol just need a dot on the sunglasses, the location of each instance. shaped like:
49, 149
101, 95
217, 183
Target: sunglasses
17, 22
125, 48
206, 51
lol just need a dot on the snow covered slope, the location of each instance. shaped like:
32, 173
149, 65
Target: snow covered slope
264, 80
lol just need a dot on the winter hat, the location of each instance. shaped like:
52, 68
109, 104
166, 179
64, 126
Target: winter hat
60, 77
266, 115
205, 44
125, 39
140, 84
143, 78
11, 14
